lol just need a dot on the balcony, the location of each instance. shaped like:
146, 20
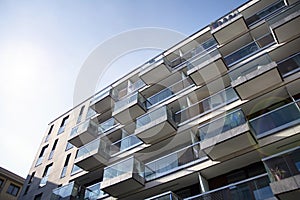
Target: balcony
200, 50
276, 120
265, 13
226, 136
207, 67
289, 66
108, 126
156, 125
124, 144
284, 173
169, 92
123, 177
256, 188
155, 72
228, 27
70, 191
94, 192
206, 105
248, 50
255, 76
94, 154
165, 196
129, 108
285, 25
173, 162
102, 101
84, 133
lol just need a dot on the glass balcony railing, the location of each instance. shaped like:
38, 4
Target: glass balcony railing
136, 85
70, 190
283, 165
201, 59
284, 13
169, 92
206, 105
154, 115
93, 192
165, 196
289, 65
87, 149
276, 120
196, 53
221, 125
84, 126
174, 161
137, 97
225, 19
250, 67
100, 95
75, 170
124, 144
107, 125
248, 50
265, 13
129, 165
256, 188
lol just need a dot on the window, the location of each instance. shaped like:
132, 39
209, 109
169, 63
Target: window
13, 189
26, 190
31, 177
75, 169
80, 115
64, 170
49, 132
63, 125
1, 182
38, 196
45, 175
53, 149
69, 146
41, 156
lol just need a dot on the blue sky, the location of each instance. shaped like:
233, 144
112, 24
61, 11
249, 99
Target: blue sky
43, 45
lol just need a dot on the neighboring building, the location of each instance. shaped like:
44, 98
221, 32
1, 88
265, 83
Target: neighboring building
10, 185
214, 117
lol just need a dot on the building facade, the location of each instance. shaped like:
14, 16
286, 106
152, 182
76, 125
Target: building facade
10, 185
216, 116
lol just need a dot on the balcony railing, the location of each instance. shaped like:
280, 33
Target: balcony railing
70, 190
124, 144
276, 120
43, 181
199, 51
154, 115
249, 49
107, 125
137, 97
201, 59
256, 188
169, 92
173, 162
221, 125
103, 93
249, 67
289, 65
165, 196
39, 161
129, 165
265, 13
227, 18
206, 105
92, 146
283, 165
94, 192
88, 124
284, 13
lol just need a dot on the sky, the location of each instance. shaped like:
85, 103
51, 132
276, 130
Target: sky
44, 44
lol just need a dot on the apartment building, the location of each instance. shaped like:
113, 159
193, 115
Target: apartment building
10, 185
216, 116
